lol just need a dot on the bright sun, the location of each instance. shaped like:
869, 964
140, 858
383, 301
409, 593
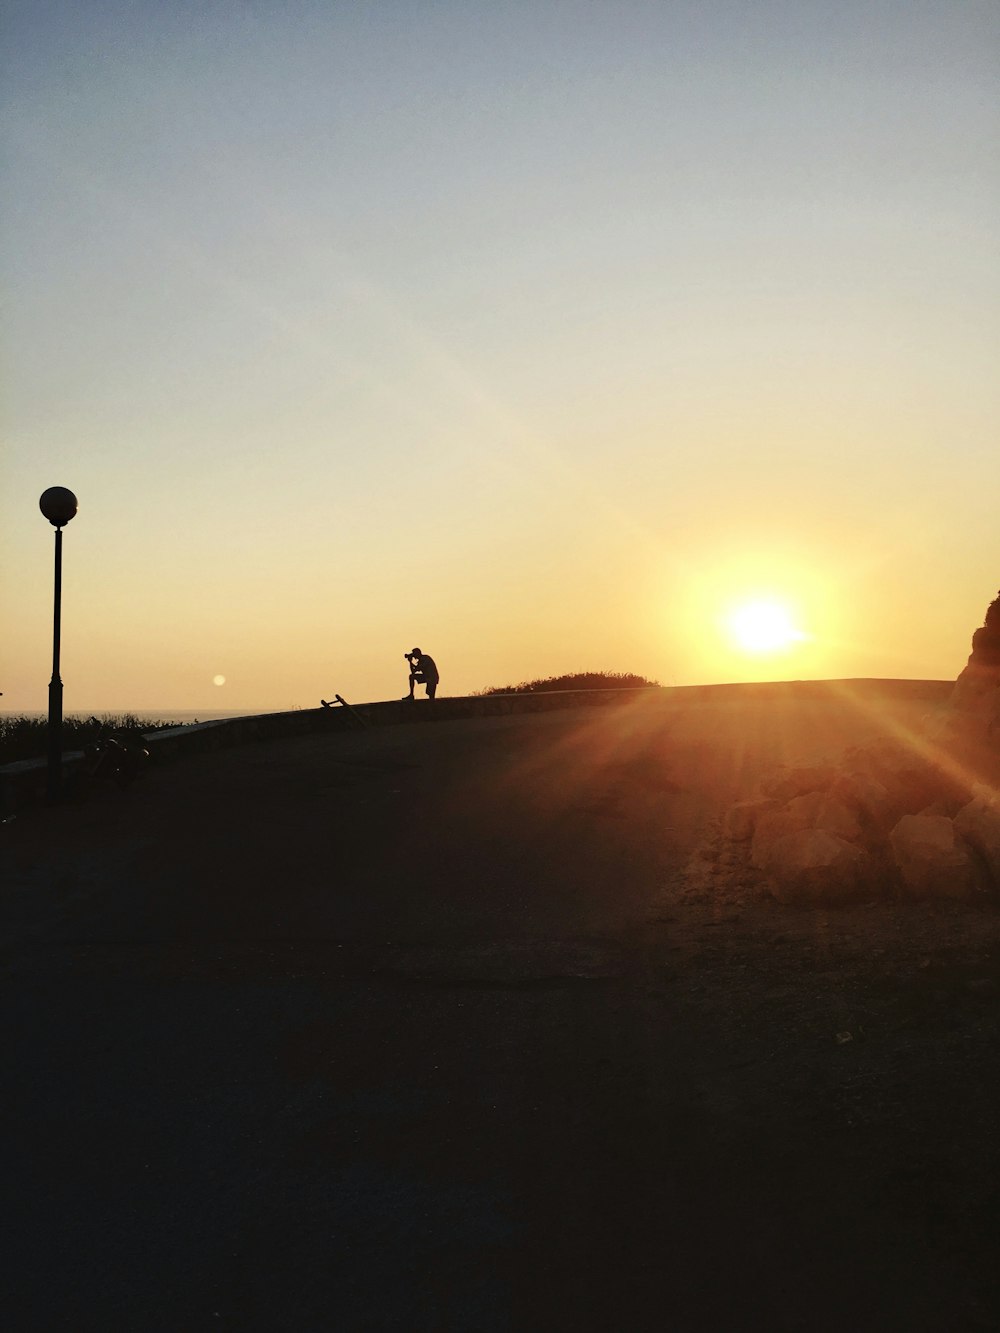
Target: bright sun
763, 627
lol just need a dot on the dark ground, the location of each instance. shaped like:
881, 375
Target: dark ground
476, 1026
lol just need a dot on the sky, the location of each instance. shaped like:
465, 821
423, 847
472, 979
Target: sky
547, 337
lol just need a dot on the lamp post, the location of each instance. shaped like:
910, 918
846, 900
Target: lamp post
58, 505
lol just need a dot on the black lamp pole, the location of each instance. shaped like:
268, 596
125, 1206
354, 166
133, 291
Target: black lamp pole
58, 505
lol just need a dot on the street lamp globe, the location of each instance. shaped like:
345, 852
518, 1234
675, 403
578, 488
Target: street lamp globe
58, 505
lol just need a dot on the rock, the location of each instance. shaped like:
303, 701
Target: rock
786, 783
938, 808
867, 796
907, 783
813, 866
932, 860
987, 793
914, 775
771, 827
822, 810
978, 823
741, 819
816, 810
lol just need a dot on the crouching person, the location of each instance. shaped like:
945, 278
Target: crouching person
423, 671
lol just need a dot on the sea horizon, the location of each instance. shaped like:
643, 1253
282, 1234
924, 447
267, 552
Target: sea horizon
163, 716
157, 715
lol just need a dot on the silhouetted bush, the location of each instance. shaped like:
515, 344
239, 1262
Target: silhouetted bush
580, 680
28, 737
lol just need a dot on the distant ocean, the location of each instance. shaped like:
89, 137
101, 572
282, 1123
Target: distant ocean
152, 714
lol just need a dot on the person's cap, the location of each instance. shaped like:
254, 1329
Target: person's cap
415, 651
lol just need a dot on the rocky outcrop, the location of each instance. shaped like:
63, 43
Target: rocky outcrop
977, 690
899, 818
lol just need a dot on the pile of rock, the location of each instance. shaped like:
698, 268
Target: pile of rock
919, 816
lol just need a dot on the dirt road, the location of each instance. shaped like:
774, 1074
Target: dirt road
473, 1026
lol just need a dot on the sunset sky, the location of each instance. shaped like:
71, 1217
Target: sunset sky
545, 336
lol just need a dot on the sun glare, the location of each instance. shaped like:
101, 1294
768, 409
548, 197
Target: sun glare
763, 627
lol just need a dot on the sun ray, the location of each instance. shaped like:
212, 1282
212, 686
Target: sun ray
959, 768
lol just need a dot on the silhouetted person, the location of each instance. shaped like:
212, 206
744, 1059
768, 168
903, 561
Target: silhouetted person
423, 671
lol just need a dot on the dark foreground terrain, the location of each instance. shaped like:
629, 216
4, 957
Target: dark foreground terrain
475, 1026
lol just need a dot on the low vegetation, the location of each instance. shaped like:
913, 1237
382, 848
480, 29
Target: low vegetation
28, 737
580, 680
